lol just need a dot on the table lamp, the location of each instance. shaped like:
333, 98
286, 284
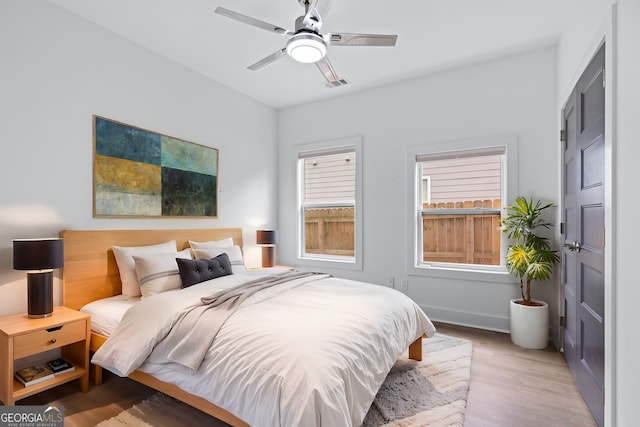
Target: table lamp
268, 239
39, 257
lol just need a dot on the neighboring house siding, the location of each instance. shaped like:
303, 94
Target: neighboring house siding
463, 179
330, 178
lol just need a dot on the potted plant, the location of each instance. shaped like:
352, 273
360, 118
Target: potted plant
531, 258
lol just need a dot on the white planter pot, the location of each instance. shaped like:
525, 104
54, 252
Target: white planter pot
529, 325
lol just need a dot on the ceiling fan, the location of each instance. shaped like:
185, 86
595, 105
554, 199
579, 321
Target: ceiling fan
306, 43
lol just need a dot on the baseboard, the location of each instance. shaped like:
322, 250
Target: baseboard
465, 318
479, 321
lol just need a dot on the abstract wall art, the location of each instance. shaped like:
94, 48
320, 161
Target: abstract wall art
140, 173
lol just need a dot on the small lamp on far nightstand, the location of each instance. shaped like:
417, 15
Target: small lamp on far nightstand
39, 257
268, 239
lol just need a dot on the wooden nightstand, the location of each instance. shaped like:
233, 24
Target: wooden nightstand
21, 336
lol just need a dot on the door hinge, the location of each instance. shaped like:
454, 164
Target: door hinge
604, 77
563, 135
562, 321
562, 228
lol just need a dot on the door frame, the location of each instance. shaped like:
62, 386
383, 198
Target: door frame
606, 34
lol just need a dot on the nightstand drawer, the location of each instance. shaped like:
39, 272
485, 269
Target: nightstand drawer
43, 340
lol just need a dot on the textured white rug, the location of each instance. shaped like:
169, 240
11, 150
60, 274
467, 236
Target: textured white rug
431, 393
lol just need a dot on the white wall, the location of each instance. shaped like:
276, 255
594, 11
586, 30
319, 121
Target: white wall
513, 95
627, 177
57, 71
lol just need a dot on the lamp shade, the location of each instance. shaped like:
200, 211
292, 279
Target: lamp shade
38, 254
267, 237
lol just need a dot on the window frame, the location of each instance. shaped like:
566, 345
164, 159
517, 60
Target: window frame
509, 190
425, 181
334, 146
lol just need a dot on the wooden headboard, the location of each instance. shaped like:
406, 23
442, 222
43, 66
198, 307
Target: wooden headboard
90, 271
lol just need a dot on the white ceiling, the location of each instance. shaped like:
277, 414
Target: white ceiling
433, 35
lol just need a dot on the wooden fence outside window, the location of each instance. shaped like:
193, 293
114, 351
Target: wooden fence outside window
330, 231
464, 238
470, 238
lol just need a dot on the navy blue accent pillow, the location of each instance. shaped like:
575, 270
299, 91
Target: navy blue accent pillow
194, 271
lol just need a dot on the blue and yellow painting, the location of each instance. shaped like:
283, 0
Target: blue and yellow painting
142, 173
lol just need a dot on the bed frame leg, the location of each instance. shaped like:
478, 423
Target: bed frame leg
95, 374
415, 349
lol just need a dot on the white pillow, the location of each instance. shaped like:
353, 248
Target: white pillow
224, 243
234, 252
127, 266
159, 272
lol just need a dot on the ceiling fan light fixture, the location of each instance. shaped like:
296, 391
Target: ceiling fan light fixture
306, 47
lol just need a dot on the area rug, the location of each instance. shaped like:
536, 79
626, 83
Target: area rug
430, 393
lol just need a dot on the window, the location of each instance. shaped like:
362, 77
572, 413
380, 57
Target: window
459, 196
329, 194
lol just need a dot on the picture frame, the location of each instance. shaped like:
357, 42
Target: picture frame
146, 174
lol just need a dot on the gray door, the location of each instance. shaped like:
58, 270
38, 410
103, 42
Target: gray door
583, 233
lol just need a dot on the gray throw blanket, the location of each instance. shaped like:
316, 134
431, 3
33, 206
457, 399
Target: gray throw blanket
196, 328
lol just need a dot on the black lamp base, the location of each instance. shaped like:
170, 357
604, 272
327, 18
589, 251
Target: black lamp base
40, 294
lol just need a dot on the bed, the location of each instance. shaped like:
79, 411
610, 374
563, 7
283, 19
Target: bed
91, 273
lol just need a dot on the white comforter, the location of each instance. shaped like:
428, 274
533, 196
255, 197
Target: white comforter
300, 355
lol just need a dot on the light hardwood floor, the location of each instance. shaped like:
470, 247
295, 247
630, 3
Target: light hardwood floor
510, 387
515, 387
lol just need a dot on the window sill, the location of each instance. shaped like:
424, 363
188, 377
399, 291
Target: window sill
493, 276
329, 263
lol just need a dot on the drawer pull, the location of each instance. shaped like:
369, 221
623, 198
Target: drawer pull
53, 340
55, 328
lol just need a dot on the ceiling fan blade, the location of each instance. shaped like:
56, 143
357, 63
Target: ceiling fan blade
268, 60
327, 70
252, 21
349, 39
316, 12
